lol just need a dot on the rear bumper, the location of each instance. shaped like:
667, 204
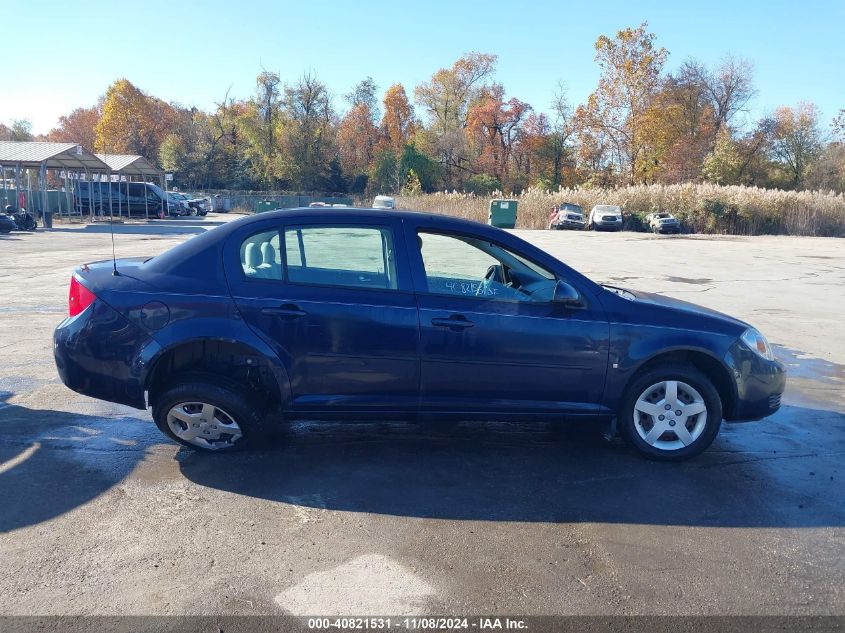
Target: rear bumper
96, 355
760, 383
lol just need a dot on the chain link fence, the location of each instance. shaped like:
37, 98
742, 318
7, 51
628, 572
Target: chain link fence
257, 201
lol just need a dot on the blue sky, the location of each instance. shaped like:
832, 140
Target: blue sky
191, 52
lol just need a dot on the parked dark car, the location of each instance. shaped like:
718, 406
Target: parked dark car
7, 223
363, 314
142, 199
196, 205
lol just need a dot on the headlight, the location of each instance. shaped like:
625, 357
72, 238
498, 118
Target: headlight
757, 343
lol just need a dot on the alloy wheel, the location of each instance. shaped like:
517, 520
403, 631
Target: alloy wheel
203, 425
670, 415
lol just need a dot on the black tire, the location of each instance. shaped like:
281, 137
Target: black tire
232, 399
683, 373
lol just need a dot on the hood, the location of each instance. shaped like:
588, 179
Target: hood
681, 314
684, 306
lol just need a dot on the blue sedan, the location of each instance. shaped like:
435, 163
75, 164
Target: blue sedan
358, 314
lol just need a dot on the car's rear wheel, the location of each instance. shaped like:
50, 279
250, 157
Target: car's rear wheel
671, 413
208, 417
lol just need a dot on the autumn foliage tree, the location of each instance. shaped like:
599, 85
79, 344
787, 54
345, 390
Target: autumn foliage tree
80, 126
496, 126
616, 113
398, 124
132, 122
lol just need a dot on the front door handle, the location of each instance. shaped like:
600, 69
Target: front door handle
286, 311
456, 322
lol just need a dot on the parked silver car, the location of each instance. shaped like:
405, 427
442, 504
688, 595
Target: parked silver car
663, 222
569, 216
605, 217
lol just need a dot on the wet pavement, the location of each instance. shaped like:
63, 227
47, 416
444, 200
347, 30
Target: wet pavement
99, 514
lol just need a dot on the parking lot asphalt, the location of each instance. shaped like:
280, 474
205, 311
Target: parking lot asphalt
100, 514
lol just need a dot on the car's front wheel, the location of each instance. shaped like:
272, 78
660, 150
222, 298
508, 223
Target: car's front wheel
208, 417
670, 413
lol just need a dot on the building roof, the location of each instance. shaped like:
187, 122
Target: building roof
67, 156
129, 164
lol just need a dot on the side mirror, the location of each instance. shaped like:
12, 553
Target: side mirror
567, 295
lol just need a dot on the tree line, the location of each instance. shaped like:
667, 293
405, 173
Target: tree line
461, 130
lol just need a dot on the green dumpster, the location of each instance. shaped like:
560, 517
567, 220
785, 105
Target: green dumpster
265, 205
502, 214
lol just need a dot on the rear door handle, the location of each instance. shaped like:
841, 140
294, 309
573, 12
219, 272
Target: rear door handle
287, 311
455, 322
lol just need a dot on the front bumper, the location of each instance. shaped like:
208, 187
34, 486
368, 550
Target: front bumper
96, 355
602, 225
568, 224
760, 383
668, 228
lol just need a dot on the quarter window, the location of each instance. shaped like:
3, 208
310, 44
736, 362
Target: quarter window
357, 257
260, 258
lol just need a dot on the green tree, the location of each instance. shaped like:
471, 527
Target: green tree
723, 165
425, 169
385, 173
19, 130
483, 184
412, 184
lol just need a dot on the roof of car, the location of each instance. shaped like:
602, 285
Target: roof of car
369, 214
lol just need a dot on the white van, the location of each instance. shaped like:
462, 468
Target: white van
384, 202
605, 217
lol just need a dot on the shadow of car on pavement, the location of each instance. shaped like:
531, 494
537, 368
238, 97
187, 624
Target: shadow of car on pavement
780, 473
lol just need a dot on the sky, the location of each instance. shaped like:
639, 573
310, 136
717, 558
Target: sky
60, 55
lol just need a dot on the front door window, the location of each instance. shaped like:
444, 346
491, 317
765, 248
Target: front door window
462, 266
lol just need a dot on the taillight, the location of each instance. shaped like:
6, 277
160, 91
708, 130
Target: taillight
79, 297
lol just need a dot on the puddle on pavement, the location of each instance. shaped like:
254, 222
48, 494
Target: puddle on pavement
29, 309
698, 281
800, 365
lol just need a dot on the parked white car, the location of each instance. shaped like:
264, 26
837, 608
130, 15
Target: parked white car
384, 202
605, 217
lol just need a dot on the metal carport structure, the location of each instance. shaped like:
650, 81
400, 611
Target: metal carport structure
71, 160
133, 165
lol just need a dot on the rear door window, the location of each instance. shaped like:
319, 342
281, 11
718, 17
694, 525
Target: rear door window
349, 256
